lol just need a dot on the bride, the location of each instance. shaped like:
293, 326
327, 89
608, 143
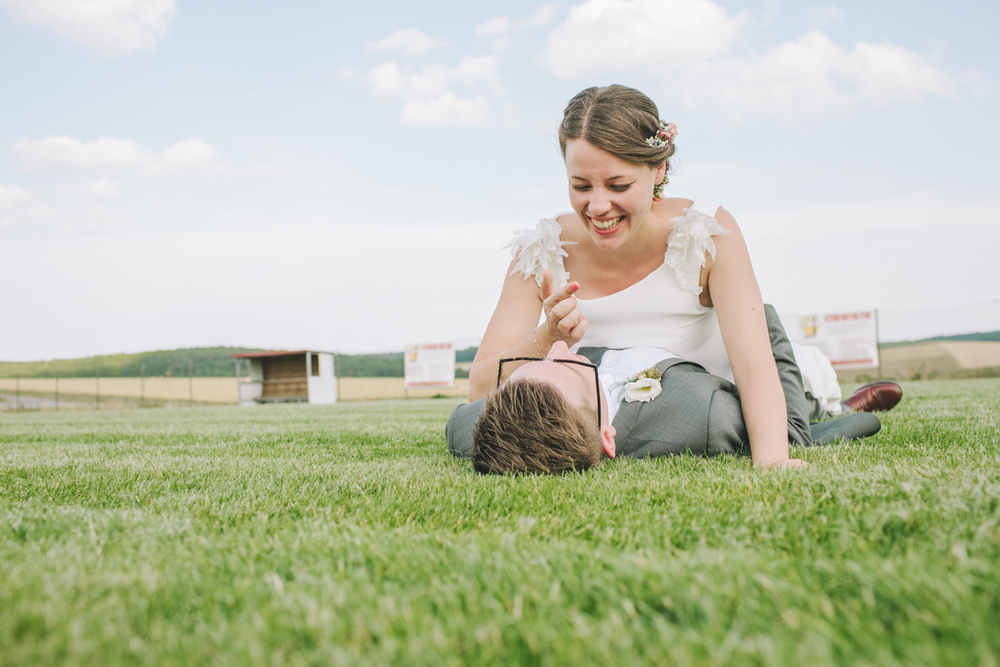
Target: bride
632, 268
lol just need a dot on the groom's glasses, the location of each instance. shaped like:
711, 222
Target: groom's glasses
597, 383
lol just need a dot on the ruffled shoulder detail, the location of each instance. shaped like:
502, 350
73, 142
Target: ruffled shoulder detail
690, 239
538, 249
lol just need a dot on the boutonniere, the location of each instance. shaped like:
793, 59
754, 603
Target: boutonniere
644, 386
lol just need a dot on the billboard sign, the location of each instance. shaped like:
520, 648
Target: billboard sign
429, 366
849, 340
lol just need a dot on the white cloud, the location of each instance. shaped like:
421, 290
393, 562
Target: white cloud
425, 93
545, 14
822, 15
69, 154
498, 25
811, 75
347, 73
112, 27
885, 73
386, 80
410, 41
501, 25
603, 36
192, 157
19, 205
103, 187
445, 109
691, 44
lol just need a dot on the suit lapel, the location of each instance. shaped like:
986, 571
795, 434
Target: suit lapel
628, 413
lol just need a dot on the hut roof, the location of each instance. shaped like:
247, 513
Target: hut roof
274, 353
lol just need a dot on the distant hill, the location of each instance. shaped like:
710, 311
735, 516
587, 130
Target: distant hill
985, 335
203, 362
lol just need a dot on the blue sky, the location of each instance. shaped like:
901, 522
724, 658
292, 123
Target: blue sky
344, 176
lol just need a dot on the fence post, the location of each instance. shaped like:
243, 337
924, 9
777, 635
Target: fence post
142, 384
57, 393
97, 390
17, 393
191, 382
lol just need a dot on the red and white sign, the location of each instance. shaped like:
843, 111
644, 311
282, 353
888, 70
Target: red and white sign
849, 340
429, 366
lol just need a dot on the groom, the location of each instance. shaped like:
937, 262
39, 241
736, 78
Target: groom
696, 413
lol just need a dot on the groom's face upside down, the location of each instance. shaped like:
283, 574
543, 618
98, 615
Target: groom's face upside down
544, 419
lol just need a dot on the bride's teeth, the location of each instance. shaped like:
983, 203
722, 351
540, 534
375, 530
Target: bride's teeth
608, 224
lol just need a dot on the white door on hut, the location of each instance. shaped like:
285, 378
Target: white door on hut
322, 378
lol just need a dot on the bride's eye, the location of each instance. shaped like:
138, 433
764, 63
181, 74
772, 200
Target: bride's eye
581, 188
621, 188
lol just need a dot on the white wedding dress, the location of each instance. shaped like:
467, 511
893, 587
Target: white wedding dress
662, 310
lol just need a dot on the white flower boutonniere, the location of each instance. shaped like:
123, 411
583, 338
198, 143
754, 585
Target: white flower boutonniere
643, 386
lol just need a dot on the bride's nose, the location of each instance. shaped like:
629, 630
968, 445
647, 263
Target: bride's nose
599, 203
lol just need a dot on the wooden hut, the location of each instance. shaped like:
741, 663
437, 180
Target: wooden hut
303, 376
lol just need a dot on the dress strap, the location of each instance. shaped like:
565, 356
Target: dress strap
538, 249
689, 240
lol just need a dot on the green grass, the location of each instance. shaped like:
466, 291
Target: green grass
347, 535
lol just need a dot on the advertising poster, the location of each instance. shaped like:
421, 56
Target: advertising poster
849, 340
429, 366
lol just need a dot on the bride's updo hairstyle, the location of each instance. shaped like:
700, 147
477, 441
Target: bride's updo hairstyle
617, 119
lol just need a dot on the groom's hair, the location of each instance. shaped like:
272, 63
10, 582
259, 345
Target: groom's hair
528, 426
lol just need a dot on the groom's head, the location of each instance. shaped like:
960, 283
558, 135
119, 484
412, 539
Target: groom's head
544, 419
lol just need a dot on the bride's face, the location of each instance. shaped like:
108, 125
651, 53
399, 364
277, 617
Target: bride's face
610, 195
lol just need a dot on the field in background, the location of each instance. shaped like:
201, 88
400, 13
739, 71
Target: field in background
347, 535
947, 359
83, 393
940, 360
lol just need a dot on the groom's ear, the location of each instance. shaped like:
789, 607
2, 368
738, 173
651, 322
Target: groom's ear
608, 434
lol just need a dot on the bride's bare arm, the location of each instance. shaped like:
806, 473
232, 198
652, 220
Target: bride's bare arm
738, 304
514, 331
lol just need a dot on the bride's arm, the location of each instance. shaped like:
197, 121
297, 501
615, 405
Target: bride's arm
514, 330
733, 290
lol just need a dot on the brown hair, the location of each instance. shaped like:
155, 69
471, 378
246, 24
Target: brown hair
528, 426
616, 119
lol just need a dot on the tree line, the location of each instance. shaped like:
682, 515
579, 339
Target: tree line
200, 362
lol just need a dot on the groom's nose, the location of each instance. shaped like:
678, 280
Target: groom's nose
560, 350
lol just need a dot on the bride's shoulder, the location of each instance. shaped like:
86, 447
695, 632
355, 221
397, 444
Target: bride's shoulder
691, 244
548, 231
700, 213
535, 250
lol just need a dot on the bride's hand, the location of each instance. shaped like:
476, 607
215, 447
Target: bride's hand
563, 320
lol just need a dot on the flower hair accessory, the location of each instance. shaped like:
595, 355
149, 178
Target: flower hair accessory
664, 136
643, 386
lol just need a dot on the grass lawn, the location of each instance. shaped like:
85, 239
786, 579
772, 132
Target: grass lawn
348, 535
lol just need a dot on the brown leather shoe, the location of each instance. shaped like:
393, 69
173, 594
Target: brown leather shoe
875, 397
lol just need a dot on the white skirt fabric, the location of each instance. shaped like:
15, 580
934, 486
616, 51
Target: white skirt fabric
819, 378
